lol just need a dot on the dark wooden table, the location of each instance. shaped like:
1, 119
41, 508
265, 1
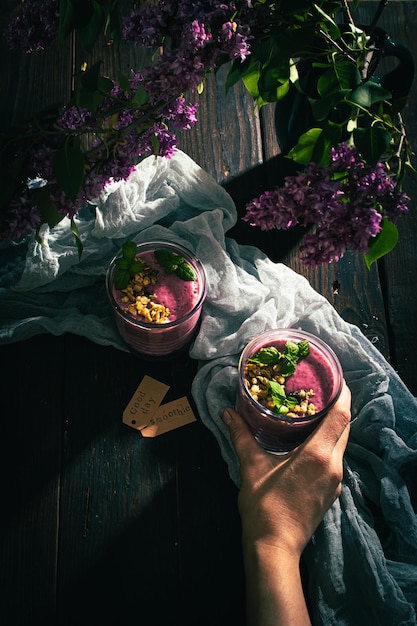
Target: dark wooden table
100, 526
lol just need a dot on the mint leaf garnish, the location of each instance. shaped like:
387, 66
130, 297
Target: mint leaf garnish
175, 263
266, 356
185, 272
129, 250
167, 259
287, 360
127, 265
303, 349
121, 278
281, 401
269, 370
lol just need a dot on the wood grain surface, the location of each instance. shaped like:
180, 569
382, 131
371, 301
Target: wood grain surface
100, 526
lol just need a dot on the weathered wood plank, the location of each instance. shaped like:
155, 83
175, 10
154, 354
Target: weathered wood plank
400, 266
30, 453
32, 383
118, 513
211, 568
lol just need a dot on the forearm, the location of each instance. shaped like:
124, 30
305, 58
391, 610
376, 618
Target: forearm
273, 588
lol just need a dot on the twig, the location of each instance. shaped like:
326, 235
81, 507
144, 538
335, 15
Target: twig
381, 6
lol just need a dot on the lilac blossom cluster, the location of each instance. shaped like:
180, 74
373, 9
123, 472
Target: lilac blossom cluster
33, 28
200, 34
120, 132
345, 202
117, 146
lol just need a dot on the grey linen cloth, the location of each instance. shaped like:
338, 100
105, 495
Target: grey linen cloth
362, 561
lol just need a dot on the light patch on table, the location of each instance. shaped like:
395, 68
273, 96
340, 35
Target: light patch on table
146, 414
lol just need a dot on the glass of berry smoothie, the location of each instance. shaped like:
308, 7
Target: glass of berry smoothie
157, 290
288, 381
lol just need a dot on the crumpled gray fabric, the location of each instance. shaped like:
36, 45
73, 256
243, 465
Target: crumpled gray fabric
362, 560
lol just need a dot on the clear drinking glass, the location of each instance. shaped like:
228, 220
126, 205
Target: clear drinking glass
320, 371
183, 298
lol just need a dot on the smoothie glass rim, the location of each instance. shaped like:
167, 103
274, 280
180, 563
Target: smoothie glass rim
324, 348
159, 244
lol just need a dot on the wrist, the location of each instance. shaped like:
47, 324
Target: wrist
274, 587
287, 549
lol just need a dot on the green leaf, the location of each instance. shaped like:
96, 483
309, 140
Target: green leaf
236, 72
77, 237
369, 94
348, 75
323, 107
328, 83
303, 151
330, 136
175, 263
338, 81
121, 279
185, 272
141, 97
92, 88
281, 401
155, 144
329, 21
123, 81
104, 84
113, 26
91, 31
273, 86
383, 243
303, 349
250, 80
266, 356
371, 142
89, 78
277, 392
68, 167
122, 263
49, 212
167, 259
66, 19
129, 249
136, 267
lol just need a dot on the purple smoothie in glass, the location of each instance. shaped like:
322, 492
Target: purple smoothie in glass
319, 371
168, 319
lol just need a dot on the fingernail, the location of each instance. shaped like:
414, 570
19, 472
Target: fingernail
226, 417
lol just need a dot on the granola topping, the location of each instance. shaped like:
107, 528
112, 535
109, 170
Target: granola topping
266, 384
139, 298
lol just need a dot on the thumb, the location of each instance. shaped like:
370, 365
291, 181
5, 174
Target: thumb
242, 439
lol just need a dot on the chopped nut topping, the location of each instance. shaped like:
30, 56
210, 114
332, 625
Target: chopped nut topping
139, 300
257, 379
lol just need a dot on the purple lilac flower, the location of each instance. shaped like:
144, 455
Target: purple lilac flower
173, 74
234, 41
35, 27
148, 25
201, 30
73, 118
195, 35
166, 139
346, 202
181, 115
21, 218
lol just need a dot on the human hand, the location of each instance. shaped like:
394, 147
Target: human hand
283, 498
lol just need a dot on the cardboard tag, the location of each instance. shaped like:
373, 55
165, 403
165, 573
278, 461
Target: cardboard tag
144, 403
146, 414
168, 417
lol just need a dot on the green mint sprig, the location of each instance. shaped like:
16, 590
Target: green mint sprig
175, 263
282, 402
127, 265
287, 360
